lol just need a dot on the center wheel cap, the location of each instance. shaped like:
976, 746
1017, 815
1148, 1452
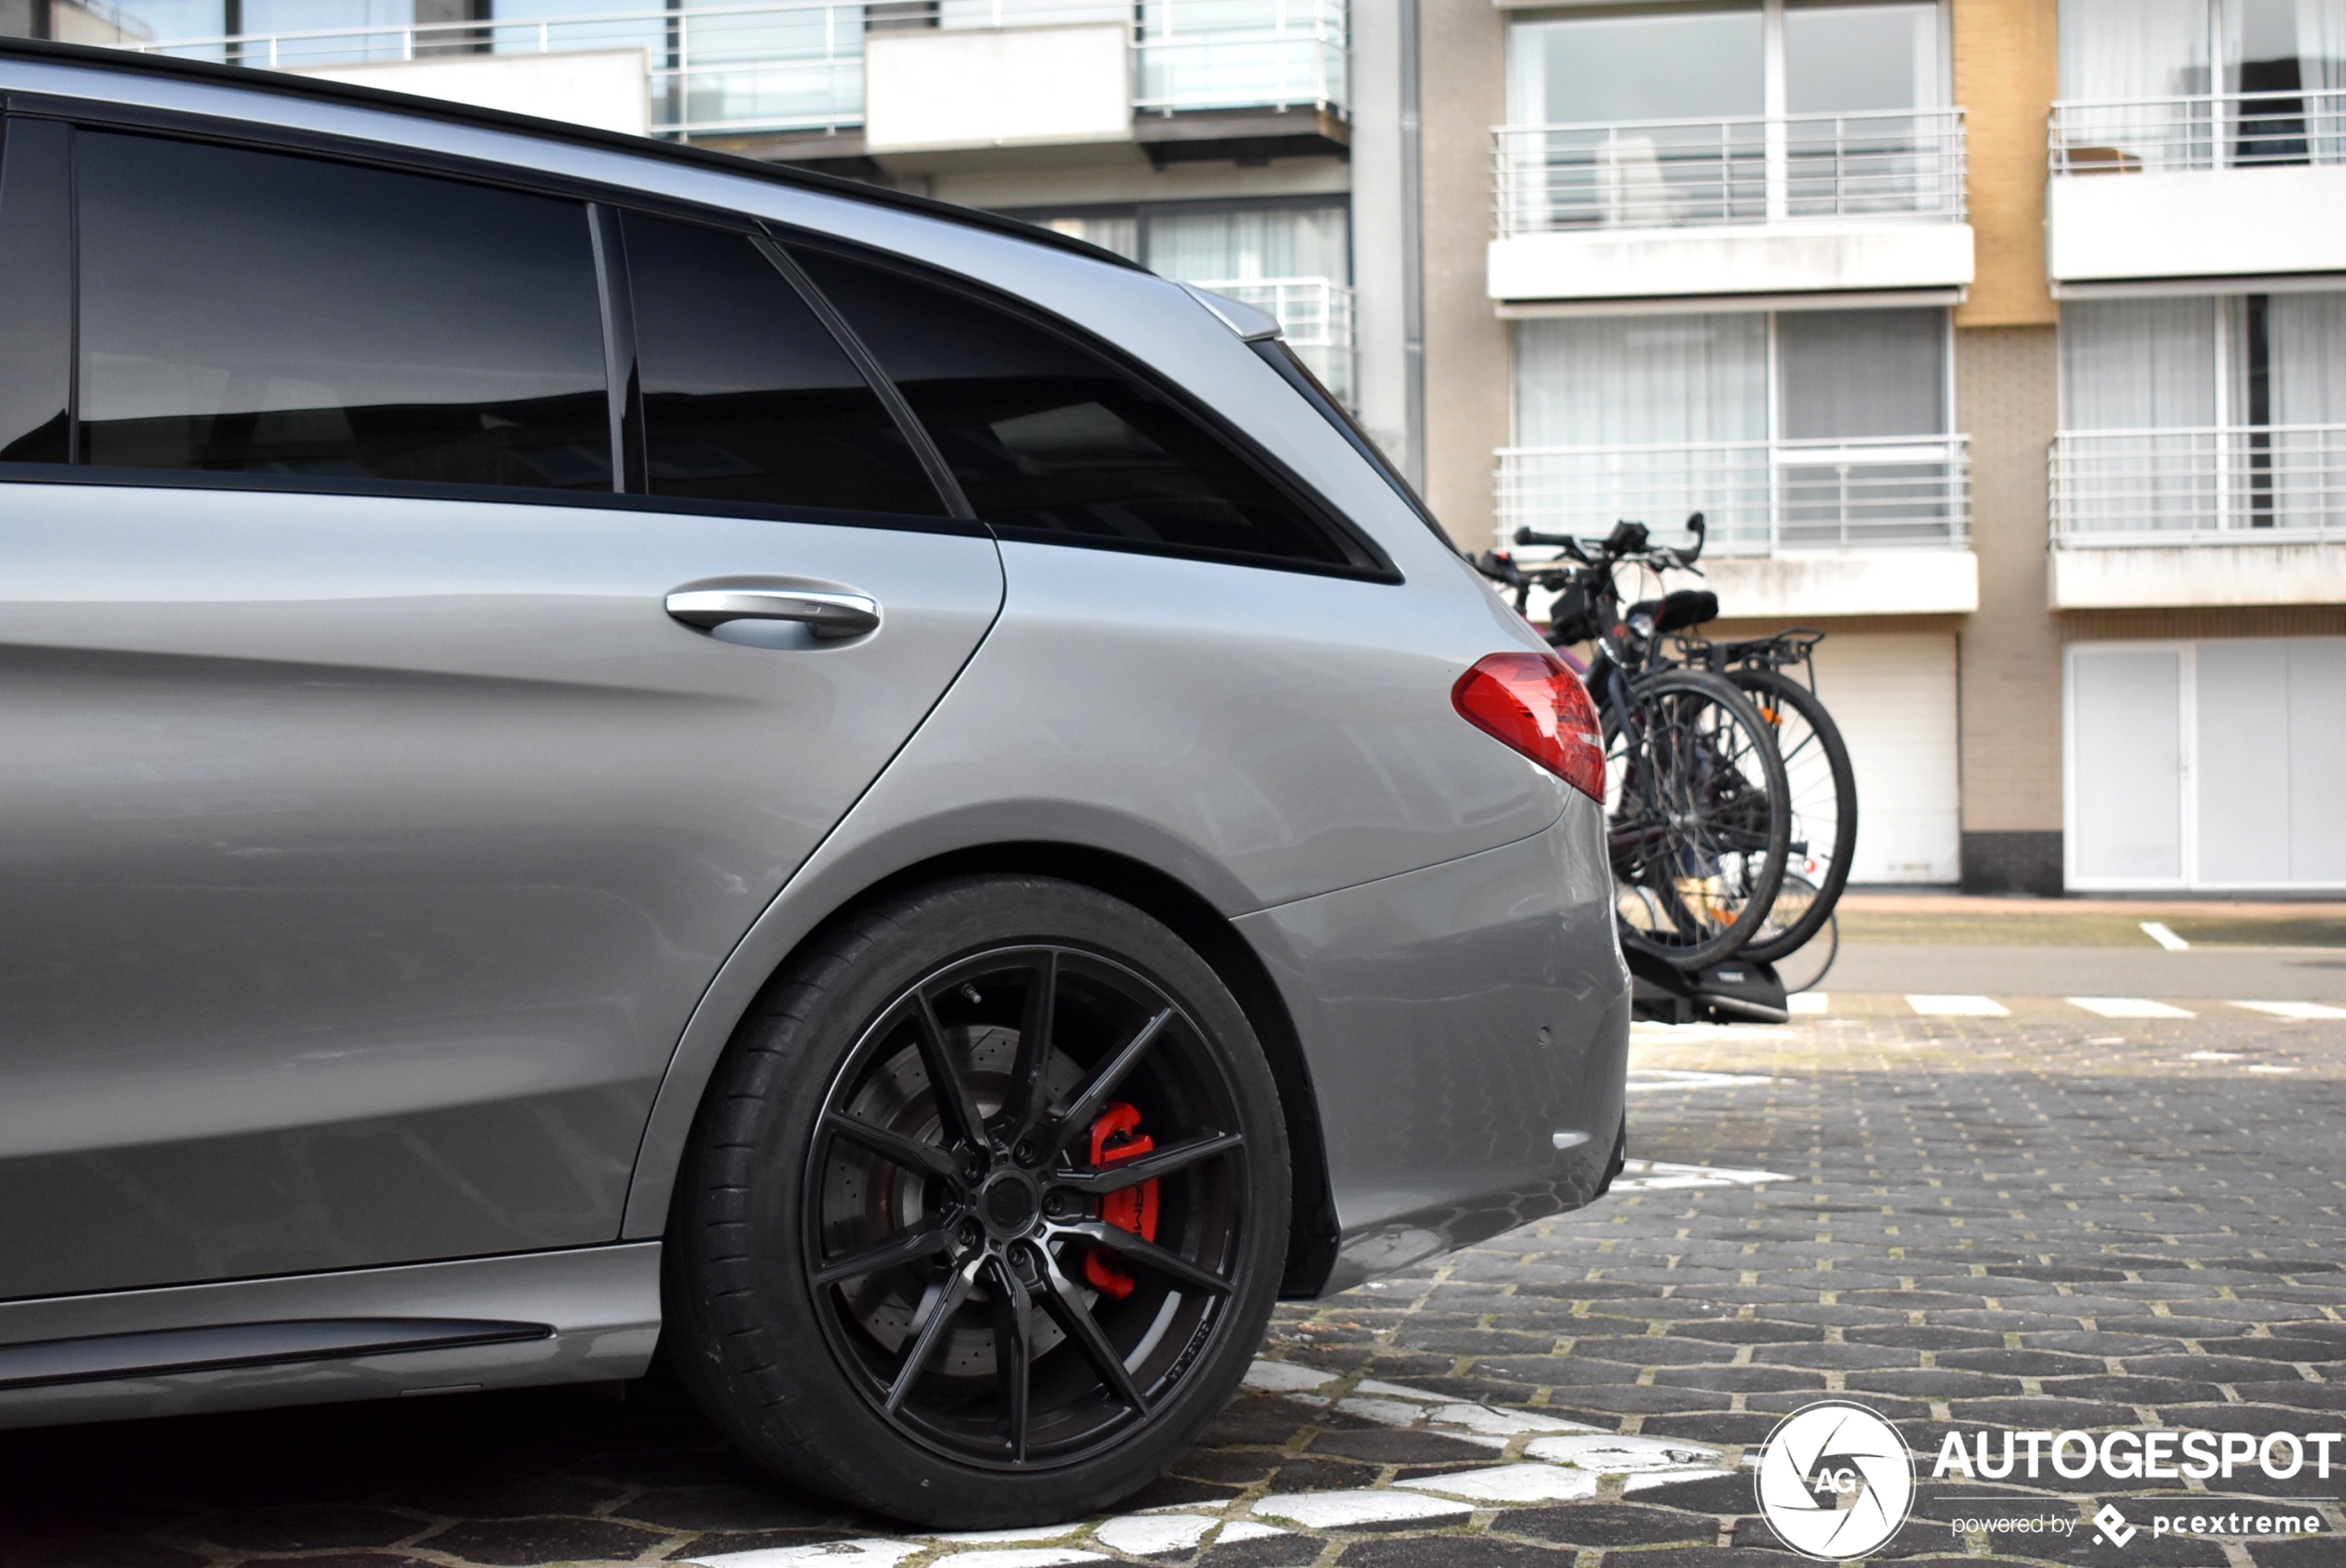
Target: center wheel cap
1009, 1203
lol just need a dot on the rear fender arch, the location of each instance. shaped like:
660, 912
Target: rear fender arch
1136, 870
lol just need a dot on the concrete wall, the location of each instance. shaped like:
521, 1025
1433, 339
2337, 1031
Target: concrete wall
1466, 376
1379, 235
609, 89
2198, 224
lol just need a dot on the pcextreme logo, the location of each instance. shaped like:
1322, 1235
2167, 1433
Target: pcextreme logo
1835, 1481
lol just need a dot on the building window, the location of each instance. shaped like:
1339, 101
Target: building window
2201, 83
1730, 114
2200, 414
1816, 430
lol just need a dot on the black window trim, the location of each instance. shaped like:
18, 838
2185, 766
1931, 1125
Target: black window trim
1281, 357
623, 387
1378, 566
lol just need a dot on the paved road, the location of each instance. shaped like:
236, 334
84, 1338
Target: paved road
2043, 1221
2279, 974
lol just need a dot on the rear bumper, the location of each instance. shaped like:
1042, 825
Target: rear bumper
1466, 1029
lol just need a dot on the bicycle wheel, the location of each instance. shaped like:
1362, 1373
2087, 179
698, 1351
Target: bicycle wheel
1802, 968
1697, 823
1824, 803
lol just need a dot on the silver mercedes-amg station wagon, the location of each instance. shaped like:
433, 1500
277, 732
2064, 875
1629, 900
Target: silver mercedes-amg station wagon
612, 750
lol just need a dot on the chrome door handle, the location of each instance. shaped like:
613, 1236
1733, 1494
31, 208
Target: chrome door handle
827, 615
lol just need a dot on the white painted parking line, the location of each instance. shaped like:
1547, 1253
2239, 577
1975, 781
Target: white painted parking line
1031, 1557
822, 1554
1146, 1536
1284, 1377
2213, 1057
1351, 1510
2164, 937
1652, 1081
1510, 1483
1958, 1007
1809, 1004
1623, 1455
2268, 1066
1655, 1176
2127, 1008
2295, 1010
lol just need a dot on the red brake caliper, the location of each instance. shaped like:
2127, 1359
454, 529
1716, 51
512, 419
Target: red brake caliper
1115, 1136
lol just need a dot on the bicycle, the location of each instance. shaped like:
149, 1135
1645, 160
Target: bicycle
1697, 824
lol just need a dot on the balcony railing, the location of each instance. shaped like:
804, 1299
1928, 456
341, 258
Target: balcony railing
1240, 54
2236, 485
2210, 131
1317, 316
1759, 498
1678, 174
798, 65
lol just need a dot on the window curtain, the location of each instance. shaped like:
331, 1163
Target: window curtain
1684, 385
2321, 66
1204, 248
2146, 371
2135, 50
2307, 333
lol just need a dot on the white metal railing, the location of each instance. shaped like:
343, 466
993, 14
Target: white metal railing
2227, 485
2208, 131
1240, 54
798, 65
1673, 174
1759, 497
1316, 317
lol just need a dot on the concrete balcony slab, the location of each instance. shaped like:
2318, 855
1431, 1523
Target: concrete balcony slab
1764, 260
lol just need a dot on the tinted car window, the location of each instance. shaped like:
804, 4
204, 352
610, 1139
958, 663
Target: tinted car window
36, 294
1052, 440
248, 312
747, 397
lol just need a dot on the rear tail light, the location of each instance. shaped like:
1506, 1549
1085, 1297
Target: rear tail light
1531, 702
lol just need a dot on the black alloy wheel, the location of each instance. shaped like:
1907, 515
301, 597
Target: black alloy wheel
1032, 1225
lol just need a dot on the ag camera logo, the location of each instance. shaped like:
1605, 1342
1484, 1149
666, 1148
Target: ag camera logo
1835, 1481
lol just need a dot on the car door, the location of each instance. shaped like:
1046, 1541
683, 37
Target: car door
380, 788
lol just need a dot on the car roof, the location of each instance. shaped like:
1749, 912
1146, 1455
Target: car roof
247, 78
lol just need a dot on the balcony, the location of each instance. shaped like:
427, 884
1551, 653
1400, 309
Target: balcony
1192, 76
2233, 515
2224, 186
1872, 527
1316, 315
1800, 204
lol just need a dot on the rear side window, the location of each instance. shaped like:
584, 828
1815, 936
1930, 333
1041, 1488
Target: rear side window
747, 397
1051, 441
256, 313
36, 292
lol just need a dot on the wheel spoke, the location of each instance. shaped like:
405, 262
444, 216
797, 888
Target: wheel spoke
1067, 1309
1150, 1167
954, 1107
890, 1254
942, 1299
909, 1153
1013, 1348
1023, 1107
1093, 1098
1149, 1255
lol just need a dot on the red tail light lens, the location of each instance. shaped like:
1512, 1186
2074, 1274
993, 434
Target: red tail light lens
1531, 703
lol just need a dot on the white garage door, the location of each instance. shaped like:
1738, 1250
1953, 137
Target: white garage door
1893, 696
2214, 764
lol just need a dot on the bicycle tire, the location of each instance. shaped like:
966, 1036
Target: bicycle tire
1772, 692
1657, 848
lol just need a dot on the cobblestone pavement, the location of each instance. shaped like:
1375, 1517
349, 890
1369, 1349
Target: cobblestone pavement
2046, 1221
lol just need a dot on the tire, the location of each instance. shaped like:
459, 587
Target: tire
1696, 820
826, 1237
1823, 793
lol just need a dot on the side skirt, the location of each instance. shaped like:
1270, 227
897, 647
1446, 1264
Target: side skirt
579, 1315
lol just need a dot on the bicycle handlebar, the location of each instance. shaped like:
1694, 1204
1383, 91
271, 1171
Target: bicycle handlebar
1626, 542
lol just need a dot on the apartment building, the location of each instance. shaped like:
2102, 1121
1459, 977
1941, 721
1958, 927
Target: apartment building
1210, 138
2003, 339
